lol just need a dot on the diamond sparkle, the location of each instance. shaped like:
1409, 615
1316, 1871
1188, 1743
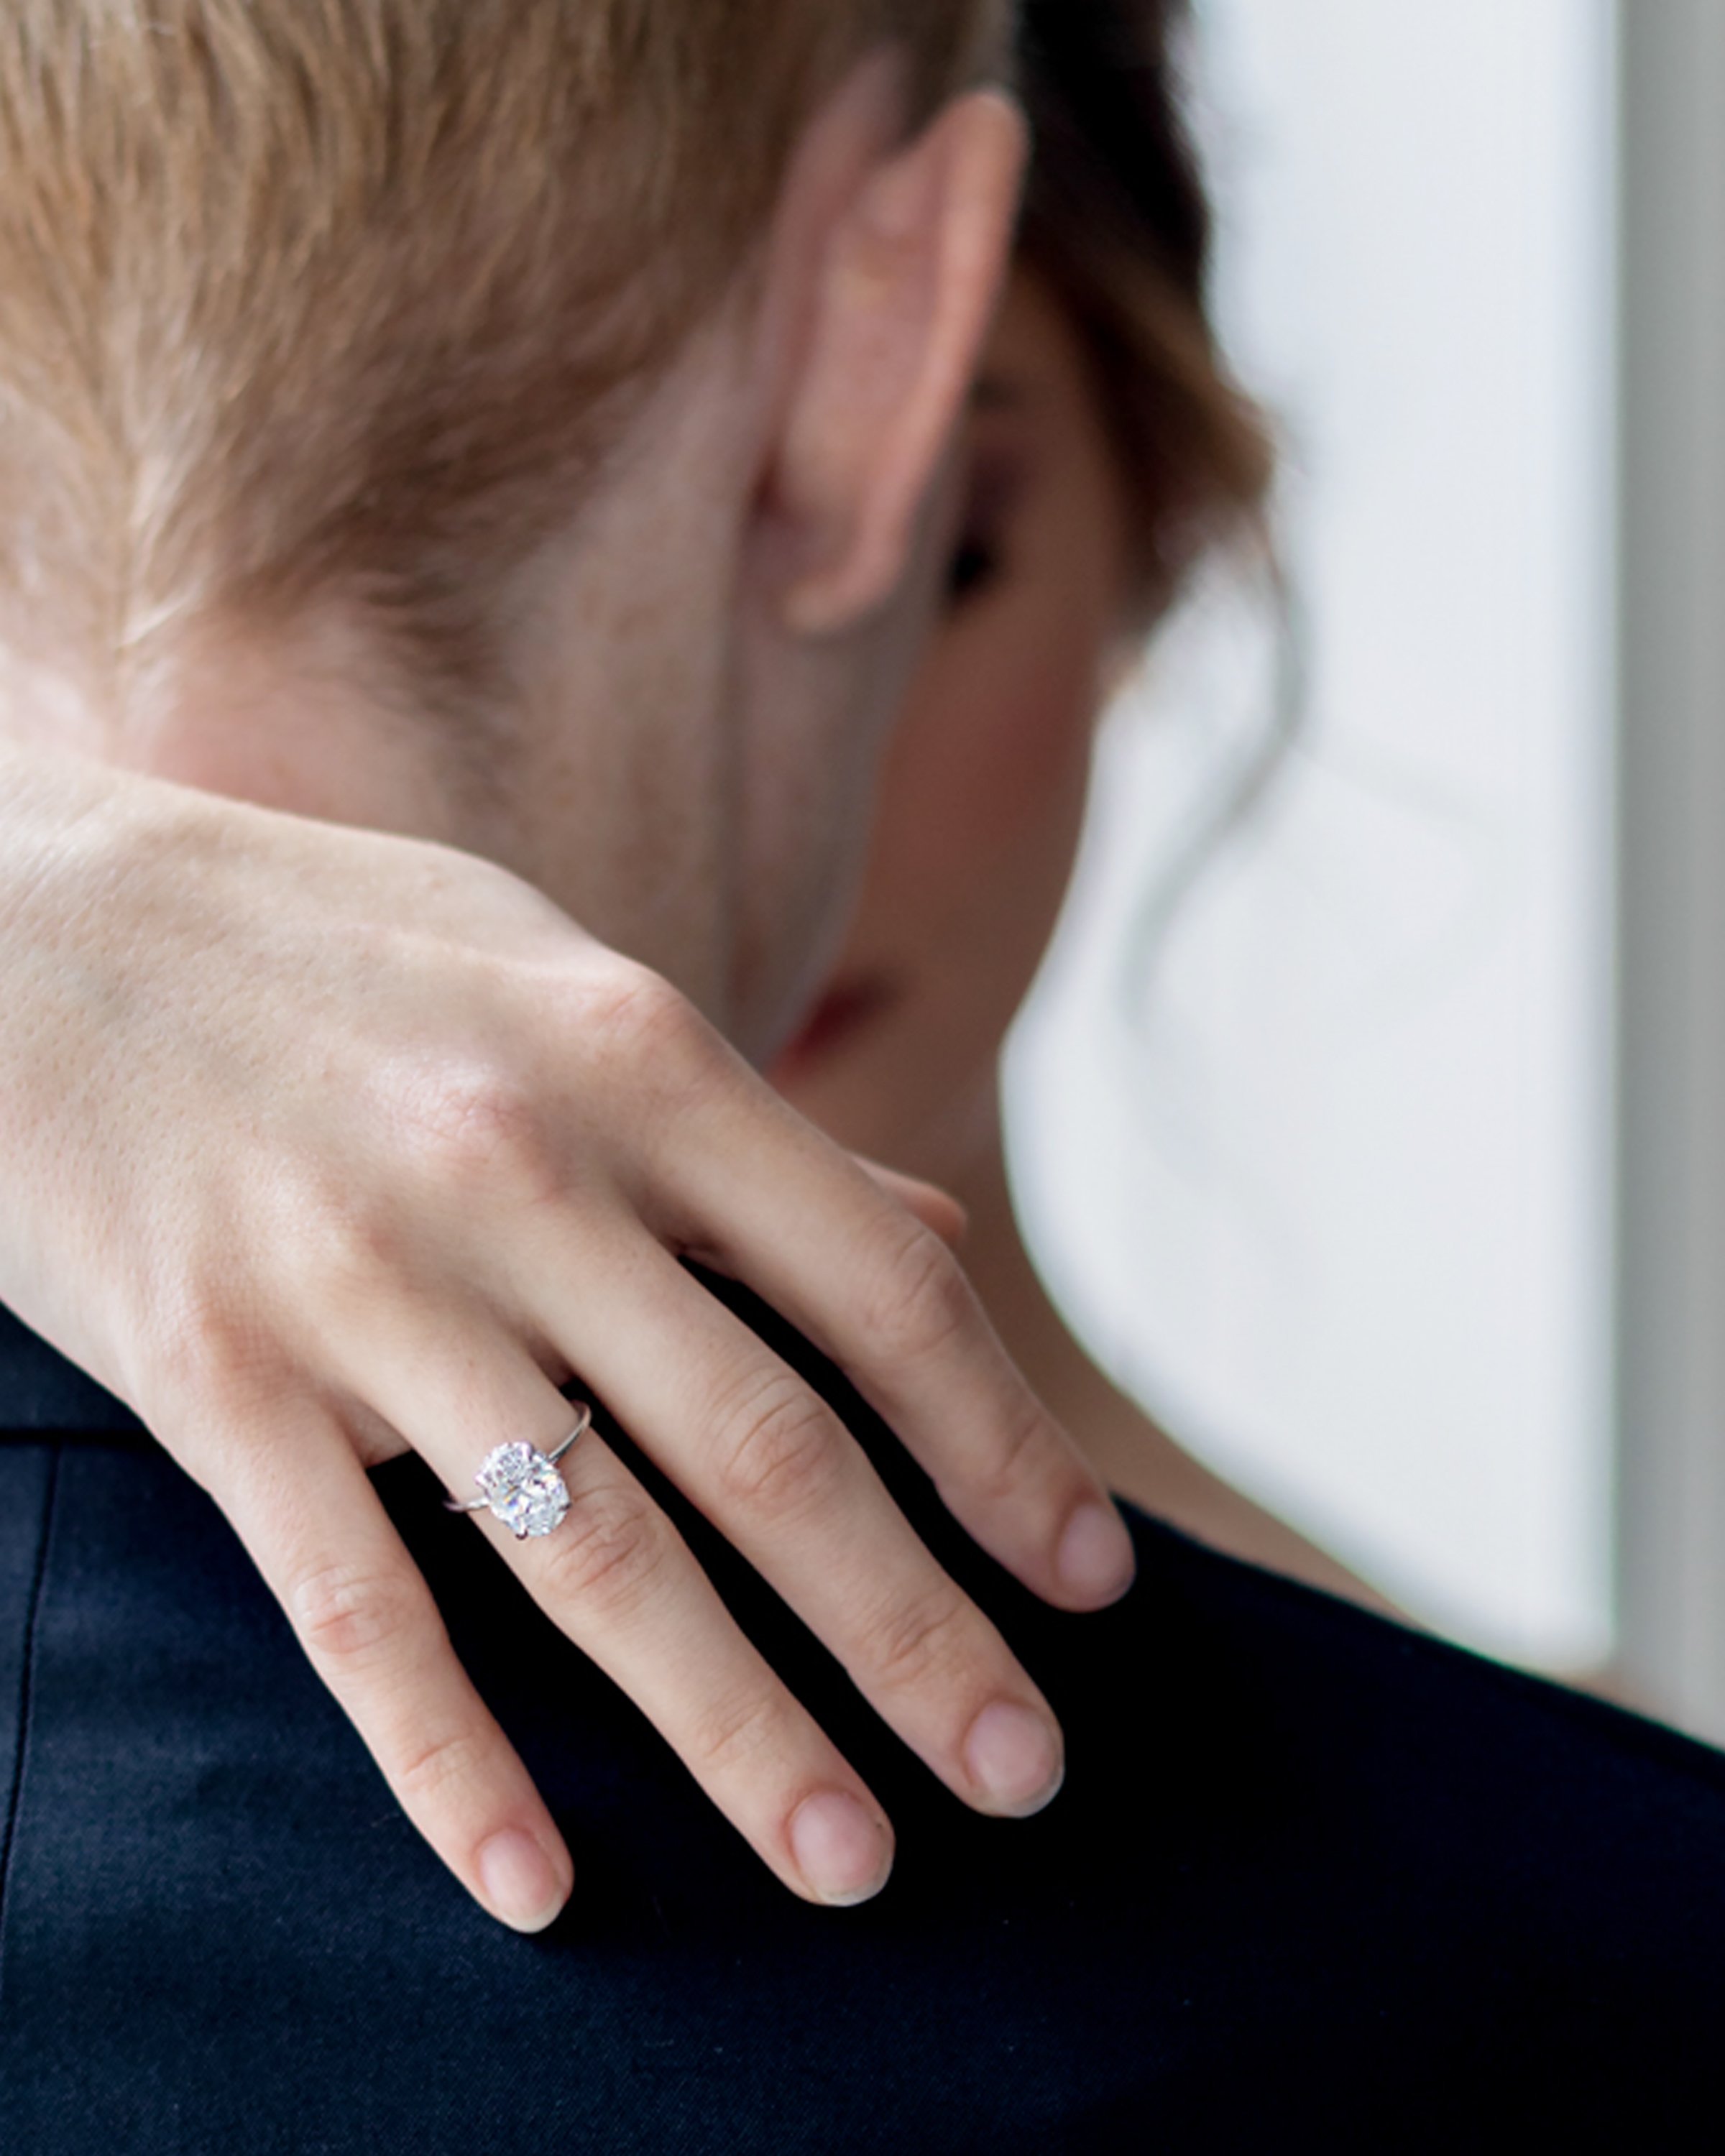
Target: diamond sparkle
523, 1490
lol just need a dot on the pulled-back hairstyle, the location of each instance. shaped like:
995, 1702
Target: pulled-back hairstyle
1117, 221
310, 294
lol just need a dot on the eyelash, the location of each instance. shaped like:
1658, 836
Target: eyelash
979, 560
976, 564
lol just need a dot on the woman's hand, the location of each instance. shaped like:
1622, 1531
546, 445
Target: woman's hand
320, 1145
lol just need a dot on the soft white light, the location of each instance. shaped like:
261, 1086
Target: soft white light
1342, 1214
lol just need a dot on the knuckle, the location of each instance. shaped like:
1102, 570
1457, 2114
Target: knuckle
331, 1245
915, 1644
738, 1731
920, 1301
647, 1032
631, 1007
425, 1765
350, 1620
1015, 1462
474, 1120
207, 1353
779, 1452
612, 1548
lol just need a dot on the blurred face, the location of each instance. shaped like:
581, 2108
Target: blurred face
984, 786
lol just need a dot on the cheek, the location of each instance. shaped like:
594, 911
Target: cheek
994, 752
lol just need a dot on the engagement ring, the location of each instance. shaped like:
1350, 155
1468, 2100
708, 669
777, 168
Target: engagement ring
520, 1484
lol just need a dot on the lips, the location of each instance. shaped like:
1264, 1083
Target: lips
852, 1003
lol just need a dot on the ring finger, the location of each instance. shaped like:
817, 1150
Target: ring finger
617, 1579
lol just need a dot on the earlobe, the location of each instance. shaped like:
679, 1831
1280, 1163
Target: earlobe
903, 295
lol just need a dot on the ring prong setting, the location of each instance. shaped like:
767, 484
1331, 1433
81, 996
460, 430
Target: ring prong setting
520, 1486
523, 1490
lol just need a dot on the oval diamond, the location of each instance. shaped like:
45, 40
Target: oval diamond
523, 1490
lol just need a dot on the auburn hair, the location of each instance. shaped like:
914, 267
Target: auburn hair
1115, 221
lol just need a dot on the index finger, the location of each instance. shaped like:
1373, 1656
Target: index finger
361, 1611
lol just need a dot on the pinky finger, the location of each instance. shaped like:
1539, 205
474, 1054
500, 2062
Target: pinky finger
363, 1612
933, 1206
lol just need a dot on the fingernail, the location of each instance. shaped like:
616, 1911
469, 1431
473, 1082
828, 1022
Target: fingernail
523, 1884
1013, 1755
1096, 1562
841, 1849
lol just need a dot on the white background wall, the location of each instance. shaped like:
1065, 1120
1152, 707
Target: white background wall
1336, 1201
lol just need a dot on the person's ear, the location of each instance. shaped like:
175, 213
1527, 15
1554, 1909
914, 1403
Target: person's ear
901, 284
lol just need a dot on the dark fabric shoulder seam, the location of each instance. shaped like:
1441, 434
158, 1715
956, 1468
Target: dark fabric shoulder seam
32, 1608
1623, 1726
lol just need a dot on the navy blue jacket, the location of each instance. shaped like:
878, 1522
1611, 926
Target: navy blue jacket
1314, 1882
